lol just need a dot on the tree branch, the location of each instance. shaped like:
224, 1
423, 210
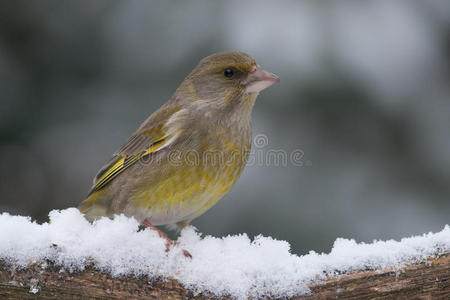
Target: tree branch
426, 280
430, 280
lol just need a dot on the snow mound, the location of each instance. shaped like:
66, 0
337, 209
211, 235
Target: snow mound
233, 265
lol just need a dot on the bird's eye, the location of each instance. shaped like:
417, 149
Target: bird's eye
228, 72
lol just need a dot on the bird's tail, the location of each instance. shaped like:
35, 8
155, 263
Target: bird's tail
94, 206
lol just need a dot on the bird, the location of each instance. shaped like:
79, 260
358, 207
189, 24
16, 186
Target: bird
189, 153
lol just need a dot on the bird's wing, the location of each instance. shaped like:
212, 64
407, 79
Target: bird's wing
121, 162
148, 139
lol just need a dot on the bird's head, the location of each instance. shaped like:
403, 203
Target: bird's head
229, 76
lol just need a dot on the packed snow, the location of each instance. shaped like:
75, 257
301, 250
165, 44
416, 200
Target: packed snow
233, 265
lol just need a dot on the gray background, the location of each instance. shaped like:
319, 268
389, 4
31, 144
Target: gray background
364, 94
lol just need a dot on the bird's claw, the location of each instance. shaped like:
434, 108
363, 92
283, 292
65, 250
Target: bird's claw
169, 242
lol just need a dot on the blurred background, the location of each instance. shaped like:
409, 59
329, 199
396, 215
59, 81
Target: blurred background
364, 94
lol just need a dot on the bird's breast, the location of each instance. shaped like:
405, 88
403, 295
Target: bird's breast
199, 173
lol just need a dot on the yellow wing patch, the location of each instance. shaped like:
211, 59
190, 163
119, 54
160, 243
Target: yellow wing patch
121, 163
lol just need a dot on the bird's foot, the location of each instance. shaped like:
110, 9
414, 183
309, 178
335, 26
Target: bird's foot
169, 243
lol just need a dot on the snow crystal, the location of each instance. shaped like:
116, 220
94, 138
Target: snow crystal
233, 265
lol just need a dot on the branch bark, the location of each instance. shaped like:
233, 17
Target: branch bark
430, 280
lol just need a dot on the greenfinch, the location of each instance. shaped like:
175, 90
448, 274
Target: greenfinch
189, 153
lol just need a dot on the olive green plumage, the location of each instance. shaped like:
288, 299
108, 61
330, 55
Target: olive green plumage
189, 153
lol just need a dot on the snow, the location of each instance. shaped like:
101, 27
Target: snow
233, 265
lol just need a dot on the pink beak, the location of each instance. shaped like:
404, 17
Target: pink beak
259, 79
